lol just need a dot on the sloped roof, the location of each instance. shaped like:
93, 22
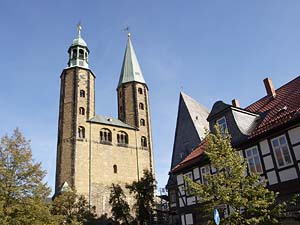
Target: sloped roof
285, 107
109, 121
131, 70
277, 111
198, 114
193, 158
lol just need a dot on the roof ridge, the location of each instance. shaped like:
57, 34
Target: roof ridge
266, 96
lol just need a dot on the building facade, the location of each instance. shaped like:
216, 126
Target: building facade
190, 130
94, 151
267, 133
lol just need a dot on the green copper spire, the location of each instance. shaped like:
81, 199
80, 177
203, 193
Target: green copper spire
131, 70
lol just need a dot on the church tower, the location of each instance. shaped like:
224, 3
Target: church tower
95, 151
77, 105
133, 99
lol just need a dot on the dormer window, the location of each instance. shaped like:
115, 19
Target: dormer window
222, 123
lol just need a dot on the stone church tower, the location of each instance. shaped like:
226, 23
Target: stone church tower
94, 151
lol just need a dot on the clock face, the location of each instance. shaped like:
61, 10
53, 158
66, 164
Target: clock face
82, 76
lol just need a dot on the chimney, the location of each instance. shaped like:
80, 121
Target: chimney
269, 87
235, 103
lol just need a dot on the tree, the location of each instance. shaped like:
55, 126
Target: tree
143, 191
22, 191
119, 207
246, 197
70, 208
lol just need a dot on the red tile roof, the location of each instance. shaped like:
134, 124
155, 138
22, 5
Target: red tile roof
192, 158
285, 107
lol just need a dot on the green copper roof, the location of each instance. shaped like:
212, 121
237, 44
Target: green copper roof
109, 121
79, 40
131, 70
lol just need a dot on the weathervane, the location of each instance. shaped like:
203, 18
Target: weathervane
79, 28
126, 29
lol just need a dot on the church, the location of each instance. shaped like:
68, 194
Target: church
94, 151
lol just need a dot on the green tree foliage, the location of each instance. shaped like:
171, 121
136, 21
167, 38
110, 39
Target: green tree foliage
70, 208
247, 197
143, 191
119, 207
22, 191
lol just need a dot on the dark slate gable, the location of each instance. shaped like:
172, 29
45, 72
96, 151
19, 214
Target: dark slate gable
190, 128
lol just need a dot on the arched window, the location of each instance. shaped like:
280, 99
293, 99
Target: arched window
82, 93
140, 90
81, 132
74, 54
105, 135
115, 169
81, 54
144, 141
120, 93
122, 138
141, 106
142, 122
81, 111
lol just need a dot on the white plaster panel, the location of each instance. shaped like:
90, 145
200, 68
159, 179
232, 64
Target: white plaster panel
179, 179
190, 200
264, 146
181, 203
182, 220
272, 178
288, 174
294, 135
181, 190
297, 152
196, 173
268, 162
189, 219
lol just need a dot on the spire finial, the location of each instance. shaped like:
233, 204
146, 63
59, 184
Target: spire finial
79, 28
127, 30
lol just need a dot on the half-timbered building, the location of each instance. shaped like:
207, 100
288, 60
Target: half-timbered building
267, 133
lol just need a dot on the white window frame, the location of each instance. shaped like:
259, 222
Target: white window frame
189, 175
204, 171
280, 148
253, 157
223, 125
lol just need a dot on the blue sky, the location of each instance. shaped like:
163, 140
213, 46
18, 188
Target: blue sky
212, 50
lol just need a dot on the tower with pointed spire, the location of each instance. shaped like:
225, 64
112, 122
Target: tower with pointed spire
133, 98
94, 151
